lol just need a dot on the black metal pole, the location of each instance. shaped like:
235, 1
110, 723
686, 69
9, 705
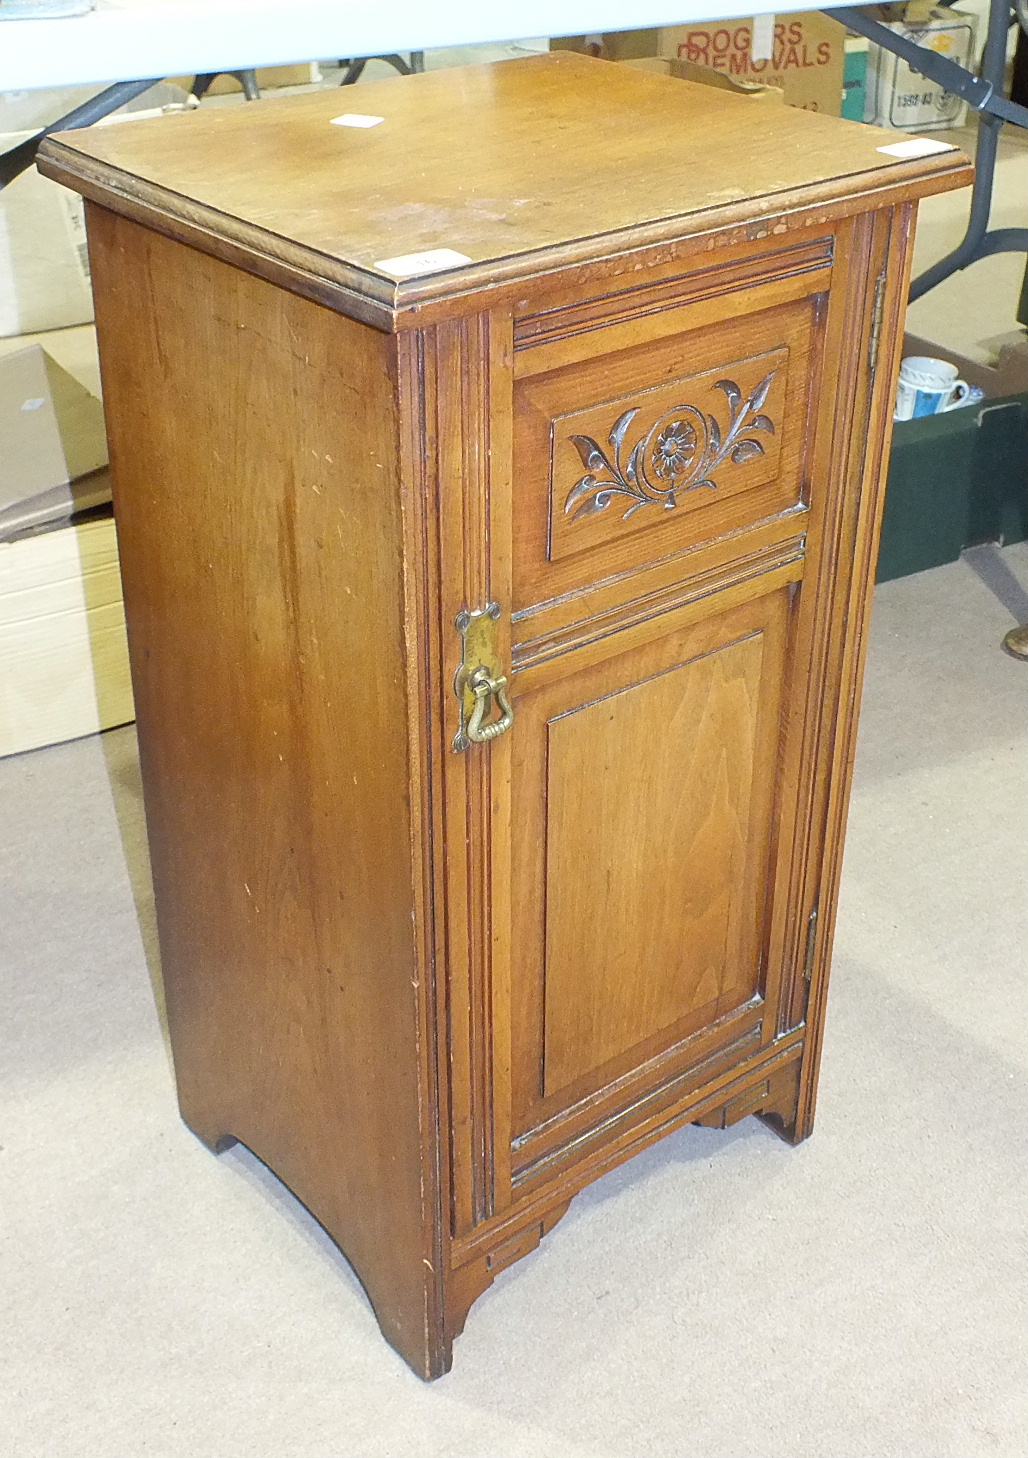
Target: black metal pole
985, 93
977, 242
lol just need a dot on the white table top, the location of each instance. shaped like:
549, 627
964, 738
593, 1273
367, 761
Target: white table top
127, 40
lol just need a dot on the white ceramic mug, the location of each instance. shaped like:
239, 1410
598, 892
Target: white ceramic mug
927, 387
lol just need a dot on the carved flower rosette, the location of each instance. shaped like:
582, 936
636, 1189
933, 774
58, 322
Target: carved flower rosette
680, 452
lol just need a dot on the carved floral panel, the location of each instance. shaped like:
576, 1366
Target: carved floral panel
631, 462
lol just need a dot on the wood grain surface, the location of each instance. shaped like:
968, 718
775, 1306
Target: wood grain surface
554, 155
263, 586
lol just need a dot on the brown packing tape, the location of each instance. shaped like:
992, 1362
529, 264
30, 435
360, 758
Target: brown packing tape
704, 76
51, 425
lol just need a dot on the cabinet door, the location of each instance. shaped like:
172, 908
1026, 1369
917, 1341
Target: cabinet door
661, 492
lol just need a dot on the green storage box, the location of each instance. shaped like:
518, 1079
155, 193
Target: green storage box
955, 480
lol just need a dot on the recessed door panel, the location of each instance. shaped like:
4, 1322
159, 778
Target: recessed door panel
642, 797
649, 795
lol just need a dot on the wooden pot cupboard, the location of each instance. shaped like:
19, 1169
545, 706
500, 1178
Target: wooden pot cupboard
496, 627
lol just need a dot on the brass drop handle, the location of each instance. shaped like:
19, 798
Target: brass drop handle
480, 683
485, 690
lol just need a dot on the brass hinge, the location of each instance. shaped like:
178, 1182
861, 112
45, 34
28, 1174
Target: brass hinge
808, 954
876, 323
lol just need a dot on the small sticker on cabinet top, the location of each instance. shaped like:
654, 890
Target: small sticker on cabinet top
410, 264
353, 119
916, 147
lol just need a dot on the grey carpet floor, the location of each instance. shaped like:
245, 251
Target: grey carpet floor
721, 1296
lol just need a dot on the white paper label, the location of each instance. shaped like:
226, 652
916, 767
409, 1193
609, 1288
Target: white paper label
916, 147
352, 119
75, 222
410, 264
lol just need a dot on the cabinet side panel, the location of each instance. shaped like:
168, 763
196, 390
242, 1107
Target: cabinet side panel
254, 450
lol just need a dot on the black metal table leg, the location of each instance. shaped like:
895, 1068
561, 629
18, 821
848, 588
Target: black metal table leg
247, 80
978, 241
354, 69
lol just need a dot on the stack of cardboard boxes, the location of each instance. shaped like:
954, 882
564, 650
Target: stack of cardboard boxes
809, 61
63, 656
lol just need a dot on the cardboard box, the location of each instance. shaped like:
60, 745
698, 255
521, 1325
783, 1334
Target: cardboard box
44, 266
898, 97
63, 655
704, 76
854, 77
64, 668
28, 111
806, 62
54, 456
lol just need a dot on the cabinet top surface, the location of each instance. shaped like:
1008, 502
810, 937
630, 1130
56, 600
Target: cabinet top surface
493, 162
